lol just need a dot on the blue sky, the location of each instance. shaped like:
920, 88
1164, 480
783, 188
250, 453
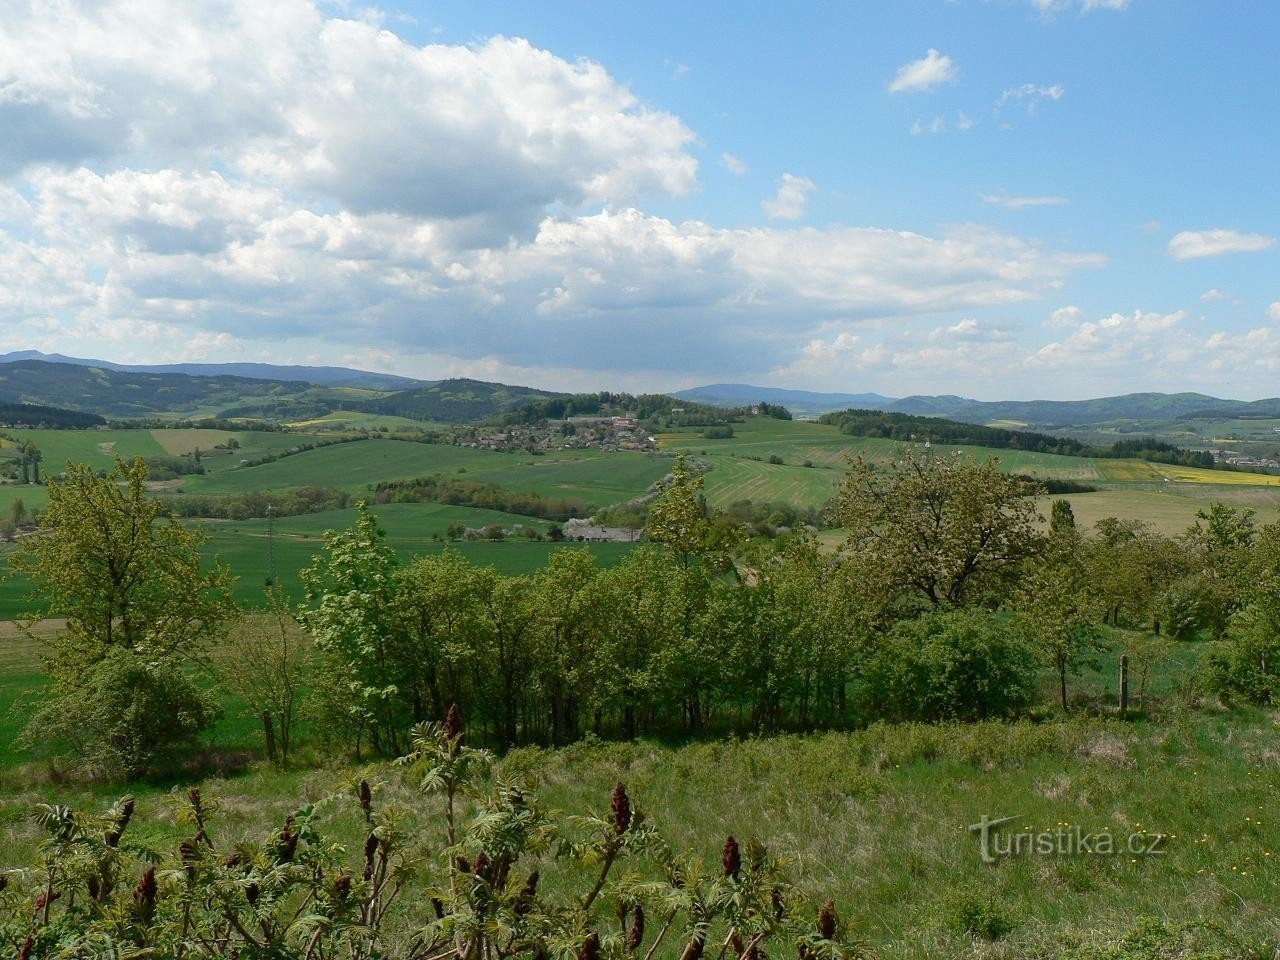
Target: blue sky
997, 198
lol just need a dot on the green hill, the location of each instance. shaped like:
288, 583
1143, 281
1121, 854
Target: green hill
116, 393
453, 401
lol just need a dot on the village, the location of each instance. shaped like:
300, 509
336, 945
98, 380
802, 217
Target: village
609, 433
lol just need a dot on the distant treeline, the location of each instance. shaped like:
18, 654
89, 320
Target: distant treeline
200, 423
648, 406
171, 468
474, 493
255, 504
272, 456
34, 416
908, 427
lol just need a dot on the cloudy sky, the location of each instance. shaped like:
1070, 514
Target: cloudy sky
996, 198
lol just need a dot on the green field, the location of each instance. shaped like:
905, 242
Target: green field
245, 547
593, 476
353, 466
99, 448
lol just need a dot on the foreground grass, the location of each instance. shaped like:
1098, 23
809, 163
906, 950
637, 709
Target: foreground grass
878, 819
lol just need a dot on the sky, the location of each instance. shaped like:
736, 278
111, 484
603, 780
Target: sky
993, 198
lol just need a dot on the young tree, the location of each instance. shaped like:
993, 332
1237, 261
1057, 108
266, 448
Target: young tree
265, 662
350, 611
434, 634
678, 515
570, 616
1056, 607
943, 528
138, 605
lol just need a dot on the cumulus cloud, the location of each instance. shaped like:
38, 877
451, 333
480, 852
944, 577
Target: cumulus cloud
733, 164
1214, 296
265, 179
1117, 338
792, 198
488, 134
928, 73
1273, 311
1064, 317
1018, 203
1195, 244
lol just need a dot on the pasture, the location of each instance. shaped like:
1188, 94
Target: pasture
590, 475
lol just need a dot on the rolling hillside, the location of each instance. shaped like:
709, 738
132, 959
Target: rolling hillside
321, 376
454, 401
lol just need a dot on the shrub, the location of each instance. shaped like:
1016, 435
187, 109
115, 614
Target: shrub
978, 915
1247, 665
127, 716
957, 665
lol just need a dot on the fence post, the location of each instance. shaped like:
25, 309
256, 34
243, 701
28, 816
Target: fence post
1124, 685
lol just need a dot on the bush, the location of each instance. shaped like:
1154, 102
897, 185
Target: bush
978, 915
1247, 665
128, 716
1185, 608
960, 665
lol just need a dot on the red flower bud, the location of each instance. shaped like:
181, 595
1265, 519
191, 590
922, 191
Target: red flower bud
621, 809
366, 800
636, 936
144, 894
590, 949
827, 921
731, 858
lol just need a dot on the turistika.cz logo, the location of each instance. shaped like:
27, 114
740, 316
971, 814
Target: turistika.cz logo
995, 842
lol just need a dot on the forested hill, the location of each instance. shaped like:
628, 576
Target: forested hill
453, 401
37, 416
320, 376
1036, 413
1067, 413
133, 394
116, 393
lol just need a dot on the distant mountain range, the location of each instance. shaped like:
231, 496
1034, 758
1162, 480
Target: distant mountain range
302, 392
803, 402
1045, 414
123, 392
320, 376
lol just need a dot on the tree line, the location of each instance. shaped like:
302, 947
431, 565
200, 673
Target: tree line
948, 600
911, 428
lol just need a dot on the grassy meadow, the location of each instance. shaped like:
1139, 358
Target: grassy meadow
877, 819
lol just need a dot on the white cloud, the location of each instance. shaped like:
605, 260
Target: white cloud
792, 198
1018, 203
1273, 312
733, 164
262, 181
1031, 95
935, 126
487, 135
1214, 296
928, 73
1115, 339
1050, 7
1194, 244
1064, 317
